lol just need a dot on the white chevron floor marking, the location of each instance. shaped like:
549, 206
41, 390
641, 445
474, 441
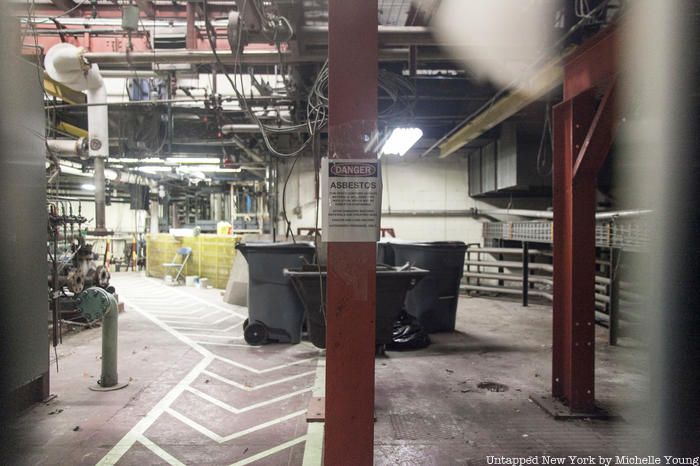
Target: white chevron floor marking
203, 301
234, 410
205, 335
216, 321
204, 329
164, 405
263, 371
222, 439
271, 451
140, 428
256, 387
230, 345
164, 455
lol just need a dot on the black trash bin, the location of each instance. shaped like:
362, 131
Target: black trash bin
385, 255
392, 285
434, 300
275, 312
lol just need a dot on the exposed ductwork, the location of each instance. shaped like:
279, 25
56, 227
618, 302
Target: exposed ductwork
65, 64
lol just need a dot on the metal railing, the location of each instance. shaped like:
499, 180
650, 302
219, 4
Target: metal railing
527, 272
623, 234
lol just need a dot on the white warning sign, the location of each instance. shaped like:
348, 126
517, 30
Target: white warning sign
352, 200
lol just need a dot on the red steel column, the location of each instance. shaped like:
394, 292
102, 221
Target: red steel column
191, 36
350, 310
574, 258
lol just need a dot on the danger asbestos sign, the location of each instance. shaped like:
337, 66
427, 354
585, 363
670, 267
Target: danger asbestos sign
352, 198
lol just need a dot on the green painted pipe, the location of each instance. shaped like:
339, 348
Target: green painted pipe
95, 303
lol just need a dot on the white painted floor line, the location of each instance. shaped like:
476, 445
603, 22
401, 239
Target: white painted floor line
162, 454
218, 321
222, 439
118, 450
313, 451
271, 451
177, 317
164, 405
208, 303
206, 335
256, 387
140, 428
229, 345
179, 307
263, 371
214, 322
232, 409
205, 329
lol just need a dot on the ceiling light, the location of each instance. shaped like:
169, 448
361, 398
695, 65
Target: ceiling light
153, 170
400, 141
139, 161
88, 187
111, 175
208, 169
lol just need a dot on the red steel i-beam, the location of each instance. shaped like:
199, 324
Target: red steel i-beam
350, 310
583, 131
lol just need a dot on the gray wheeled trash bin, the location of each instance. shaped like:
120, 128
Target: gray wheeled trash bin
275, 312
434, 300
392, 285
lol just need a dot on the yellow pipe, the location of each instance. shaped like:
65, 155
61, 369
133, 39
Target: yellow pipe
64, 93
72, 130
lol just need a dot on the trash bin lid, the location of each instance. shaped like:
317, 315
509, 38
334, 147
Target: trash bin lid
276, 247
312, 271
433, 244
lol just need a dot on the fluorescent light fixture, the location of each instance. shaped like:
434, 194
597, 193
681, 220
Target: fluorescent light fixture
139, 161
208, 169
400, 141
88, 187
194, 160
111, 175
154, 170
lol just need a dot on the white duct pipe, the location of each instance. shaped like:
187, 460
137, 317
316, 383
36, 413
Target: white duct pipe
67, 147
65, 64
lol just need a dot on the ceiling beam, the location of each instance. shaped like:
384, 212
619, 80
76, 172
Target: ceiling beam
540, 84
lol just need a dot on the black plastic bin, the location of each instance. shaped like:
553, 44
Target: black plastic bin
275, 312
392, 285
434, 300
385, 255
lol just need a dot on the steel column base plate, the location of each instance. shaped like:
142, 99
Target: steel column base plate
558, 410
100, 388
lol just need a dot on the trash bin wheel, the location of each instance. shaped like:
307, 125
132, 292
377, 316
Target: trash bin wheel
245, 324
255, 333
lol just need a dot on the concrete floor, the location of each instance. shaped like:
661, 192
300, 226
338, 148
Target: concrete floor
199, 395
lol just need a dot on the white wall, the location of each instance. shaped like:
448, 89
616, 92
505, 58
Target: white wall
410, 184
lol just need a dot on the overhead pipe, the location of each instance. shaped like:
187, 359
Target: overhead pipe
388, 35
65, 64
68, 147
206, 57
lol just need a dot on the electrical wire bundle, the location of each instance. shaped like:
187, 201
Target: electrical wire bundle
402, 93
